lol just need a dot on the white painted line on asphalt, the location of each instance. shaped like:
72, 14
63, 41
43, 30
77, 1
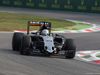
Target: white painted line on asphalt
6, 32
93, 73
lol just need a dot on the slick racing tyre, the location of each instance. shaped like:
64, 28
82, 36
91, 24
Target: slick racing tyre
70, 48
16, 41
25, 45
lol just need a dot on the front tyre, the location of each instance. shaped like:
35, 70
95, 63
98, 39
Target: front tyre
70, 48
25, 45
16, 41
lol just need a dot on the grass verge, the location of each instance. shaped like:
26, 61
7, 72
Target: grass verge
79, 25
13, 21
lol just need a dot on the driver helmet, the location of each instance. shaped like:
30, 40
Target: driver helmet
45, 32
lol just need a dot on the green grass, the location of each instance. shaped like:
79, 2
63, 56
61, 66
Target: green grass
12, 21
98, 55
79, 25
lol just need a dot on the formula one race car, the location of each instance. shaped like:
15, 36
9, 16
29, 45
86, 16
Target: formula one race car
42, 41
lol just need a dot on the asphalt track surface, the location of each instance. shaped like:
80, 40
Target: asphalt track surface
12, 63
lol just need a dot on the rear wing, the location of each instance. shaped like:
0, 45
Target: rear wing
33, 23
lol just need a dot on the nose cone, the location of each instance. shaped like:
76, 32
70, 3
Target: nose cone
50, 49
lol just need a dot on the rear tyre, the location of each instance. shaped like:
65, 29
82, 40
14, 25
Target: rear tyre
16, 41
70, 48
25, 45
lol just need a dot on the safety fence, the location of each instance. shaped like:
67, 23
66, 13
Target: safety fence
91, 6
